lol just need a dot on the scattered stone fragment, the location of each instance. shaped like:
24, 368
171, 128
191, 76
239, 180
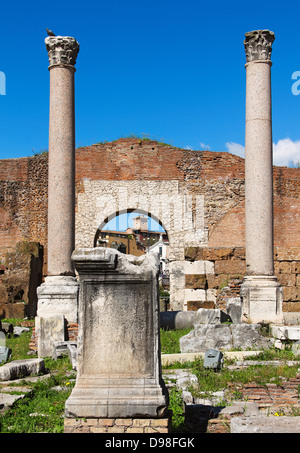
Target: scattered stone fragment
20, 368
19, 330
264, 424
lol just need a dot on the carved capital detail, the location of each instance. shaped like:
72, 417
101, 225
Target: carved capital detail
62, 50
258, 45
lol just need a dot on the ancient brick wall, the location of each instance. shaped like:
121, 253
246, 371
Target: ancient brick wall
23, 201
19, 282
227, 269
147, 170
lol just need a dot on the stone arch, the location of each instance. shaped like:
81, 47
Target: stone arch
167, 203
127, 211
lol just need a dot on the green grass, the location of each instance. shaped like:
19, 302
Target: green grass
19, 346
42, 409
212, 381
176, 405
275, 354
170, 340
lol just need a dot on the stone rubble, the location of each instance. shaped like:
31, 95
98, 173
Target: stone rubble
261, 409
20, 368
8, 388
224, 337
264, 424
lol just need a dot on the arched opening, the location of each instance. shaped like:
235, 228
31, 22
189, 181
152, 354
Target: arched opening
113, 220
136, 232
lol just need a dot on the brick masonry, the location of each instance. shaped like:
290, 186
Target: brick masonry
271, 399
273, 396
23, 202
71, 334
22, 275
117, 425
146, 167
230, 267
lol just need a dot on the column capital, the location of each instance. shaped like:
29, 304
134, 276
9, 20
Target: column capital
62, 50
258, 45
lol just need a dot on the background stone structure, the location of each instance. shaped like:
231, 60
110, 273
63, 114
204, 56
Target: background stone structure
143, 169
23, 202
228, 267
20, 278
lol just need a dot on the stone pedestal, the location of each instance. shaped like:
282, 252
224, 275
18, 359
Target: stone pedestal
58, 296
118, 363
260, 290
262, 298
49, 330
57, 305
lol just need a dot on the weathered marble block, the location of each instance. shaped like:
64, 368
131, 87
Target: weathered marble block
118, 362
262, 299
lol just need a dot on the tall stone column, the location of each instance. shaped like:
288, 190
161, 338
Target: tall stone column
62, 52
57, 297
262, 295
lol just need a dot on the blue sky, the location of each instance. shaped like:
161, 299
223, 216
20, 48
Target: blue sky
170, 69
124, 221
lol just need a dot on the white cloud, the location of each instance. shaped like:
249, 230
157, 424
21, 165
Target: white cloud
204, 146
285, 151
235, 148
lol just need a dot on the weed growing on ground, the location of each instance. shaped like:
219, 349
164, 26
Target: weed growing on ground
42, 409
18, 346
169, 340
176, 405
274, 354
212, 381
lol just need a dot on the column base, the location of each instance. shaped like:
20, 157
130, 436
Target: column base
58, 296
117, 397
57, 306
262, 298
118, 425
